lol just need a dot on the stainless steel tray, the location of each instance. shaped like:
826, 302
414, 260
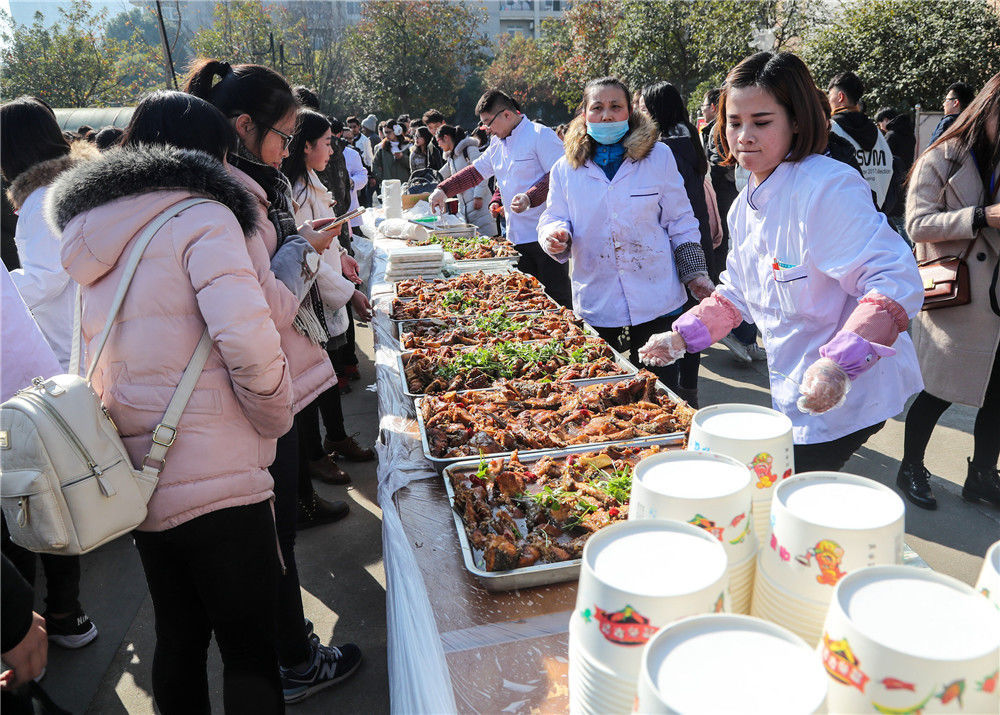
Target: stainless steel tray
441, 462
403, 328
397, 321
395, 286
529, 576
628, 370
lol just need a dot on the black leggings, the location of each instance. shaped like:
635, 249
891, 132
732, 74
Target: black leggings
927, 409
214, 574
683, 373
62, 574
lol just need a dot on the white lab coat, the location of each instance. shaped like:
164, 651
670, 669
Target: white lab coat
45, 286
518, 162
624, 234
364, 146
359, 178
815, 221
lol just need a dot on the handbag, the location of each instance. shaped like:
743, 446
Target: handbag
946, 280
67, 484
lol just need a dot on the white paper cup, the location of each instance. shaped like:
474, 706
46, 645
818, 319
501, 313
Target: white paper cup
711, 491
773, 604
741, 578
989, 577
638, 576
729, 664
826, 525
759, 437
902, 639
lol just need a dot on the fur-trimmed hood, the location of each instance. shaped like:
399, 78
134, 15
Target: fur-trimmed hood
639, 142
45, 172
130, 171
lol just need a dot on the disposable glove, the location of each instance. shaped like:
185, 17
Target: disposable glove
520, 203
437, 201
824, 387
663, 349
556, 241
701, 287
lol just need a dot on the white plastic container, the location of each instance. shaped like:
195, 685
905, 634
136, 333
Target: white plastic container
826, 525
759, 437
638, 576
989, 577
729, 664
392, 198
899, 639
711, 491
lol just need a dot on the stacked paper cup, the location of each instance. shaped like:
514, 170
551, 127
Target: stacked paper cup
392, 198
989, 578
759, 437
636, 577
711, 491
825, 525
898, 639
729, 664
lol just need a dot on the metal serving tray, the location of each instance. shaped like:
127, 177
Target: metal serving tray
397, 321
529, 576
441, 462
587, 330
628, 370
395, 286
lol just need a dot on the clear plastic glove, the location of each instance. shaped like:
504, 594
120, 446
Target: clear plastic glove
556, 241
349, 267
520, 203
701, 287
824, 387
362, 308
437, 201
663, 349
320, 240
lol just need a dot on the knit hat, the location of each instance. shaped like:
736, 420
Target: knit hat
370, 123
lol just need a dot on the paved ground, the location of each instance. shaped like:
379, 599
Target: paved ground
344, 582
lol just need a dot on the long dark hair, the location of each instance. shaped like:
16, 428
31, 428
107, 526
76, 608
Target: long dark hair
311, 126
180, 120
969, 129
242, 89
29, 134
425, 134
665, 106
400, 138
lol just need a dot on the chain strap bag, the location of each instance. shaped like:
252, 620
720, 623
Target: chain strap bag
67, 484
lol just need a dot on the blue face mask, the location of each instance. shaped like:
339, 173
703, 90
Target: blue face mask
607, 132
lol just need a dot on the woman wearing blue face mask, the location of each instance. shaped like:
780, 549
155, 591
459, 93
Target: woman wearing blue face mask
618, 207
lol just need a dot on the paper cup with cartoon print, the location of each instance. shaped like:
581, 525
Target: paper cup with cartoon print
825, 525
989, 577
741, 580
759, 437
711, 491
638, 576
729, 663
900, 639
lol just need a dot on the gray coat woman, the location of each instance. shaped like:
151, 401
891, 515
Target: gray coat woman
952, 209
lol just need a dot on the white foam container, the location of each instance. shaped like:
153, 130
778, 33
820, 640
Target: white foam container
724, 663
899, 639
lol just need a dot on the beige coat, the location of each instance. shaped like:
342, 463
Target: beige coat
956, 346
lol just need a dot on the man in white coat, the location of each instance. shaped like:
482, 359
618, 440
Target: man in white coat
520, 156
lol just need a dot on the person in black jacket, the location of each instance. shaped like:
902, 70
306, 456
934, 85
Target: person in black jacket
902, 142
663, 103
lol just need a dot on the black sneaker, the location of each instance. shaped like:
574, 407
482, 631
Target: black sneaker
330, 665
73, 631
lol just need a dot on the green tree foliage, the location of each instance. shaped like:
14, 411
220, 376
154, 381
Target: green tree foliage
406, 56
520, 68
907, 52
74, 63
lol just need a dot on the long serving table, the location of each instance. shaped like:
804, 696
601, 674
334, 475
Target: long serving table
452, 645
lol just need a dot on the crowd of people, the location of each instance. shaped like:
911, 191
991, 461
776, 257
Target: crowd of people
789, 227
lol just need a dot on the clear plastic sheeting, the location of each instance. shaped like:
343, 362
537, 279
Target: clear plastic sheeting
419, 681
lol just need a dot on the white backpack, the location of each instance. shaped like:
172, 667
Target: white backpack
67, 484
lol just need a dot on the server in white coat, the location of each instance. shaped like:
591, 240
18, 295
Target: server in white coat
814, 265
520, 155
617, 206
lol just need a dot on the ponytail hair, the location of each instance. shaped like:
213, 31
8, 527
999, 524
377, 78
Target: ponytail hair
255, 90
